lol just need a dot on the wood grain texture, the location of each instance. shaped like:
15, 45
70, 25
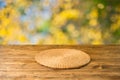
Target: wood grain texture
18, 63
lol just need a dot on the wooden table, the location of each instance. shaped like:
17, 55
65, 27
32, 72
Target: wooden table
18, 63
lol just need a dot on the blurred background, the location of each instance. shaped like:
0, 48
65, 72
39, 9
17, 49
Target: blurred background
60, 22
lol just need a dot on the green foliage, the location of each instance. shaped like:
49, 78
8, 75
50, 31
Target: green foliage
44, 27
109, 2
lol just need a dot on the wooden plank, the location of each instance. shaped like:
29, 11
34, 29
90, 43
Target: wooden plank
18, 63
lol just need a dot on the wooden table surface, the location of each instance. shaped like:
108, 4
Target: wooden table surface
18, 63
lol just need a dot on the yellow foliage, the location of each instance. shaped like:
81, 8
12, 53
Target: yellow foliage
97, 42
5, 22
59, 37
93, 14
24, 3
71, 28
90, 35
100, 5
59, 21
73, 32
70, 14
10, 29
61, 18
93, 22
116, 24
3, 32
22, 38
66, 25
